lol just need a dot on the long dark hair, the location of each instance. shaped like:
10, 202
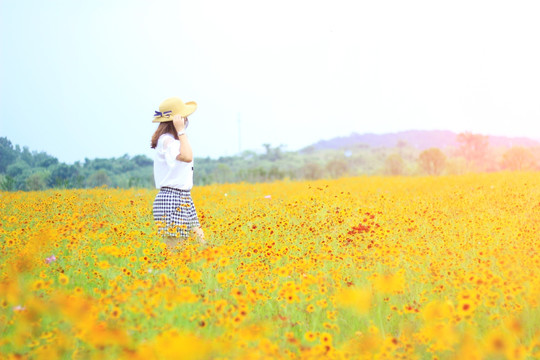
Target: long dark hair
166, 127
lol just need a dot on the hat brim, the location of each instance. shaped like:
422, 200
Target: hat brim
161, 119
188, 109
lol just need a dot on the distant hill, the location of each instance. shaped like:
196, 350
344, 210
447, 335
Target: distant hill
420, 139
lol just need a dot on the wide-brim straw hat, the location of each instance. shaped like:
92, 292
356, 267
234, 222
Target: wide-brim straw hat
173, 106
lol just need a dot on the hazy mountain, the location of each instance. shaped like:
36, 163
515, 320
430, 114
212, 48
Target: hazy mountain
420, 139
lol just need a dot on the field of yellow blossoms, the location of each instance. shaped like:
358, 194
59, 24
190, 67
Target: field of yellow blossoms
367, 267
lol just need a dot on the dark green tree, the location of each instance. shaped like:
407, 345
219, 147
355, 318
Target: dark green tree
37, 181
64, 176
19, 171
98, 179
7, 183
44, 160
8, 154
142, 161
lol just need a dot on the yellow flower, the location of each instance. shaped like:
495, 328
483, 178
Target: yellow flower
437, 310
515, 325
221, 278
63, 279
469, 348
328, 325
325, 338
310, 336
331, 315
497, 341
115, 312
173, 344
442, 335
358, 299
283, 271
38, 284
390, 283
322, 303
465, 308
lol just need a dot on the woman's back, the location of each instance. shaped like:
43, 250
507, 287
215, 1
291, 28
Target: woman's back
169, 172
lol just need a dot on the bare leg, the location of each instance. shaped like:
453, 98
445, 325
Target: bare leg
172, 243
198, 234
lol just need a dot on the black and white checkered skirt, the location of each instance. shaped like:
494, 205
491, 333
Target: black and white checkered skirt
174, 212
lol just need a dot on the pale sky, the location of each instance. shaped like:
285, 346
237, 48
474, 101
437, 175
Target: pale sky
82, 79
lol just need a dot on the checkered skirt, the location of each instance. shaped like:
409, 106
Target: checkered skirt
174, 212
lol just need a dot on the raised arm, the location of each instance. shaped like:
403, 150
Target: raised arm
186, 154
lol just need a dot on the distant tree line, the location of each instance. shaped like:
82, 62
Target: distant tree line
21, 169
473, 154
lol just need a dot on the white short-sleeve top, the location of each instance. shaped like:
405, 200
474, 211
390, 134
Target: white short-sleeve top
167, 170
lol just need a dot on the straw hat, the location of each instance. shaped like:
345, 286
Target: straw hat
173, 106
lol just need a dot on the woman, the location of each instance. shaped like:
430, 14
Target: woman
174, 211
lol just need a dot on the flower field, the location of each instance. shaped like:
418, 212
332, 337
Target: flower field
368, 267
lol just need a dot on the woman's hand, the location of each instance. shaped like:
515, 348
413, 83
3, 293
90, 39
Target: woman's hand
179, 122
186, 154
